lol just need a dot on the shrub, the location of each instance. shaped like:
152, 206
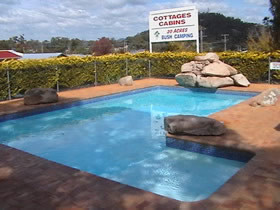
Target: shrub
73, 71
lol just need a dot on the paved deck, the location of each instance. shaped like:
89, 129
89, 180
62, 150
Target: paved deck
30, 182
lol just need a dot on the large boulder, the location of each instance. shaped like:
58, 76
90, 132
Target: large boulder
240, 80
266, 98
126, 81
188, 67
194, 66
219, 69
214, 82
211, 57
193, 125
186, 79
40, 96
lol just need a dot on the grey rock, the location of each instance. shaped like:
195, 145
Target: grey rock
197, 72
187, 67
266, 98
219, 69
214, 82
40, 96
232, 70
199, 66
126, 81
193, 125
194, 66
240, 80
186, 79
211, 57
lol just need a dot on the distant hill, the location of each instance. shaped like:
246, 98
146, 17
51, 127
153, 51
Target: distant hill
139, 41
214, 25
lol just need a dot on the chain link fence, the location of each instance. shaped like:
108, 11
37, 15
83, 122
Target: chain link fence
14, 83
77, 73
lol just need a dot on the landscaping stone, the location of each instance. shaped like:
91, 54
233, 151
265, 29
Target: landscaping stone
240, 80
186, 79
40, 96
211, 57
199, 66
188, 67
193, 125
214, 82
266, 98
126, 81
219, 69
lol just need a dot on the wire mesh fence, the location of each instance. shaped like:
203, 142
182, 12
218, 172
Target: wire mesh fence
82, 73
14, 83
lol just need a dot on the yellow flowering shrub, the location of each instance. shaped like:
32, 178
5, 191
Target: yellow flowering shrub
73, 71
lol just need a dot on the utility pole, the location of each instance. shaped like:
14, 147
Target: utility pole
239, 48
225, 41
201, 37
125, 46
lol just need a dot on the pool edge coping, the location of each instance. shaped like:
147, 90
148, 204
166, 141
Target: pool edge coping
168, 198
67, 104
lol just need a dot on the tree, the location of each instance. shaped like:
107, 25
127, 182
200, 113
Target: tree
139, 41
33, 46
275, 11
236, 28
260, 39
59, 44
102, 46
18, 43
6, 45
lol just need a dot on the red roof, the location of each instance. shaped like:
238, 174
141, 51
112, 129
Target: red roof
9, 54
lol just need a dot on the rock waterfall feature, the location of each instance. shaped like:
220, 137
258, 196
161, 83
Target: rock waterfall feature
209, 72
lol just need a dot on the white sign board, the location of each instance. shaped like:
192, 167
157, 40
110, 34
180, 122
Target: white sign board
275, 65
179, 24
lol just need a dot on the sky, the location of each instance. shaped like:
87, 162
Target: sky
93, 19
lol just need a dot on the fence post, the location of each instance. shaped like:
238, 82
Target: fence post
149, 68
126, 67
269, 60
57, 86
95, 73
57, 82
9, 85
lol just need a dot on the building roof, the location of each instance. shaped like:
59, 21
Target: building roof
78, 55
41, 55
10, 54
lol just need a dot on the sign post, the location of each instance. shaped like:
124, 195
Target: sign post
272, 66
171, 25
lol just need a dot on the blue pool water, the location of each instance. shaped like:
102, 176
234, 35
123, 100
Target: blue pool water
121, 138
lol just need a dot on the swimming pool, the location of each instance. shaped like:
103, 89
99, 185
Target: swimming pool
120, 137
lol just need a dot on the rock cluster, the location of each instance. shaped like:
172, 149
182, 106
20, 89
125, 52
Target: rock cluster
208, 71
193, 125
40, 96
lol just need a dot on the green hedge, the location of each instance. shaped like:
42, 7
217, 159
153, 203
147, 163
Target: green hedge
72, 72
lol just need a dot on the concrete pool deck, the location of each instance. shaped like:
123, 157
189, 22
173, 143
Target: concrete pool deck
30, 182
